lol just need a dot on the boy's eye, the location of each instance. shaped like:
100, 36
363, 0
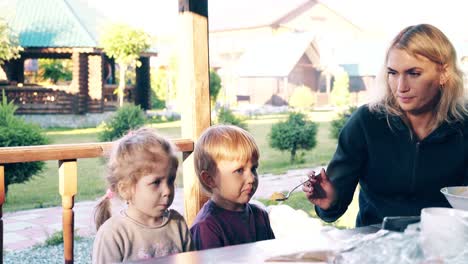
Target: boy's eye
254, 169
239, 171
171, 181
157, 182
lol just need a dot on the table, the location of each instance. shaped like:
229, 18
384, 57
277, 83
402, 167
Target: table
258, 252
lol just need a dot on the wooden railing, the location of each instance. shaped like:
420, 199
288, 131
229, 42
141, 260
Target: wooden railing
67, 155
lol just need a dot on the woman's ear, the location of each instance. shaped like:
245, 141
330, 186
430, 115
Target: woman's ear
208, 179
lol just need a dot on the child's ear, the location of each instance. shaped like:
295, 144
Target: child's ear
124, 191
207, 179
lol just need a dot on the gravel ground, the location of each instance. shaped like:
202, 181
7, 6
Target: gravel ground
51, 254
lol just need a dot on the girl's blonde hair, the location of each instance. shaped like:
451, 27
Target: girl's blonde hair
223, 142
427, 41
135, 155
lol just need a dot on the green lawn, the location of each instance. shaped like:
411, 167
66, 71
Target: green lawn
42, 190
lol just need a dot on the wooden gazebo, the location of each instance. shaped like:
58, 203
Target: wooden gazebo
66, 29
193, 77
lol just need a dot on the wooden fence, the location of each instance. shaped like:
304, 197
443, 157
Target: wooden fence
67, 155
58, 100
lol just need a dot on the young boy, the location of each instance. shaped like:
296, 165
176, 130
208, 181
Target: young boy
226, 161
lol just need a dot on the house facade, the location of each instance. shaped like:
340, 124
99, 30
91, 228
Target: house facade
261, 58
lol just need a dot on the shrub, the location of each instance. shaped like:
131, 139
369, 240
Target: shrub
126, 118
338, 124
226, 116
294, 134
302, 98
57, 238
14, 132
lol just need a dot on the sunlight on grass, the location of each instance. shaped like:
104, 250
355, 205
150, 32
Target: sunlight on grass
68, 131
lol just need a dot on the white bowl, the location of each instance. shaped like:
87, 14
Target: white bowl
457, 196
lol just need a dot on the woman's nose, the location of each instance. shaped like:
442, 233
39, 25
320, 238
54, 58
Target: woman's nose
402, 85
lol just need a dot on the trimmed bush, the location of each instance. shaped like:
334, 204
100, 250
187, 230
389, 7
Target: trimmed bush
294, 134
227, 117
128, 117
338, 124
14, 131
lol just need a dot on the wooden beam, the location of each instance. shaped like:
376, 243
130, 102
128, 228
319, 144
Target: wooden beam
68, 151
68, 186
199, 7
2, 200
194, 82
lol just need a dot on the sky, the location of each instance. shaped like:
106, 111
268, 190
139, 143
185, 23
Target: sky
155, 16
389, 17
386, 17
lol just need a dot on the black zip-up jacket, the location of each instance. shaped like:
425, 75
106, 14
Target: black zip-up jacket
398, 175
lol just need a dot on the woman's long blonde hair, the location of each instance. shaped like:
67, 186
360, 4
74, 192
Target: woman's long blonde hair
427, 41
133, 156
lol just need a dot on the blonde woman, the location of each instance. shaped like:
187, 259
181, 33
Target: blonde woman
409, 143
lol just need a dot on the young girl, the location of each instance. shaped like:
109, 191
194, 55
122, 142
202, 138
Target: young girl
141, 171
226, 161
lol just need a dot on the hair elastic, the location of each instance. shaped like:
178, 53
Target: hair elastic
109, 194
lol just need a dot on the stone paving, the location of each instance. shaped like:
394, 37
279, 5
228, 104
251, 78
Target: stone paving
31, 227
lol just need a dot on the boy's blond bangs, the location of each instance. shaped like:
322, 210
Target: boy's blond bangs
233, 146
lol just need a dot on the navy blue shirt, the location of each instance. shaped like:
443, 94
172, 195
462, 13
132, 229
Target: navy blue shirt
398, 174
217, 227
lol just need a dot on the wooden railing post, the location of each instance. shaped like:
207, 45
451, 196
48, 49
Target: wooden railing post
194, 82
2, 200
68, 189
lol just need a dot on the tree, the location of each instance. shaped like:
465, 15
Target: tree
294, 134
340, 95
215, 86
302, 98
164, 84
9, 44
124, 44
55, 70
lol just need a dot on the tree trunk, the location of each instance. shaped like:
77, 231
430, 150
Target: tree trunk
121, 89
293, 155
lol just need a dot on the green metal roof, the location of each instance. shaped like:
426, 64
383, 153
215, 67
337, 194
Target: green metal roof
52, 23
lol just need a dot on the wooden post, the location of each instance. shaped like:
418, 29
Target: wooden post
68, 189
194, 87
2, 200
142, 89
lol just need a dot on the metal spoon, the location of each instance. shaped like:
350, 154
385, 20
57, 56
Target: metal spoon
289, 193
